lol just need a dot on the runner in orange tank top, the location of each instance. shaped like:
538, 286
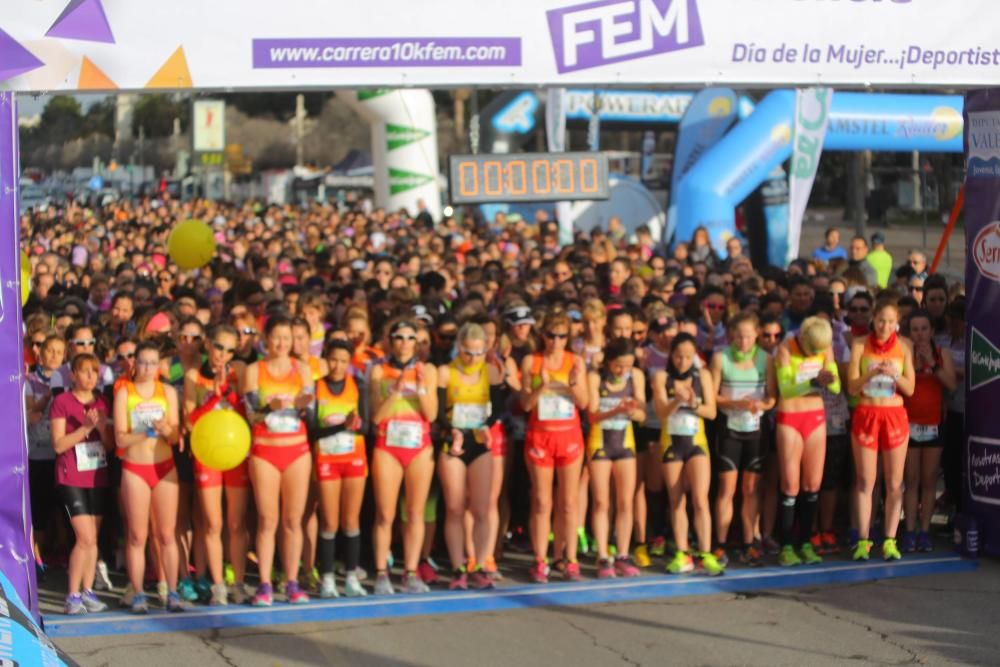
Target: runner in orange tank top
935, 373
880, 373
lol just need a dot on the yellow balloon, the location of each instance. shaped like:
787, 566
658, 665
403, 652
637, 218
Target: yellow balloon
220, 440
25, 277
191, 244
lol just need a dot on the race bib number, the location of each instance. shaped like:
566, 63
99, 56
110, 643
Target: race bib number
469, 416
808, 371
145, 415
405, 434
90, 456
683, 423
555, 407
616, 423
335, 445
282, 421
743, 421
921, 433
880, 386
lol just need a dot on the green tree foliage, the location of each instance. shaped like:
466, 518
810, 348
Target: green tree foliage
155, 114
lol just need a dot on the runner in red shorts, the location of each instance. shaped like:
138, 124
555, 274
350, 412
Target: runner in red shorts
554, 391
881, 369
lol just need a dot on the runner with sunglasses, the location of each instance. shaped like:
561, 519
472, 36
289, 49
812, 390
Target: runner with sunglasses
471, 398
404, 402
553, 392
215, 385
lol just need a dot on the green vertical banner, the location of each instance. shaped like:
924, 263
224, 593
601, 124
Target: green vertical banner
981, 458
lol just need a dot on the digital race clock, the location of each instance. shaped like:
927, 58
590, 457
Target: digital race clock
525, 177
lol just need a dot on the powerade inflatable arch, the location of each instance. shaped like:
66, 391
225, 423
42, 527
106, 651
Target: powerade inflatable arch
743, 159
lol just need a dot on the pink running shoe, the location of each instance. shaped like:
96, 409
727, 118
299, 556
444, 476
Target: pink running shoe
624, 567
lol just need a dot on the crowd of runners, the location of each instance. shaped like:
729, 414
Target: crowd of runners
461, 388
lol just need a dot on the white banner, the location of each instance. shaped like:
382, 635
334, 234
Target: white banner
555, 138
812, 116
56, 45
209, 124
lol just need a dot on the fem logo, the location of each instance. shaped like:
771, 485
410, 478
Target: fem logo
608, 31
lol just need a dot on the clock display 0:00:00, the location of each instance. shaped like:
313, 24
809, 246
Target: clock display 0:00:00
528, 177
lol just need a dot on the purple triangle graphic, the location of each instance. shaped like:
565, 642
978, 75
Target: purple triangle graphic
14, 58
84, 20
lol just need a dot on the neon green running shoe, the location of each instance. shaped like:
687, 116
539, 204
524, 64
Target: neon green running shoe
788, 557
583, 544
809, 555
313, 580
711, 565
889, 549
681, 564
864, 549
229, 575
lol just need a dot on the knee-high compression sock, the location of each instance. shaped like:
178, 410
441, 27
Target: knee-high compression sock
352, 550
808, 503
327, 551
786, 519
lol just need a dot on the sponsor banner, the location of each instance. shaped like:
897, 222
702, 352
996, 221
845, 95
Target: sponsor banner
982, 287
55, 45
22, 641
209, 126
812, 115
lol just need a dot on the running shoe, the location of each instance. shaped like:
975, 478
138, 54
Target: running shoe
264, 596
583, 542
427, 572
572, 572
491, 569
229, 574
682, 563
174, 602
414, 585
161, 592
102, 582
92, 603
863, 550
481, 580
239, 594
624, 567
658, 547
328, 587
605, 569
459, 581
383, 585
642, 556
352, 586
751, 556
909, 544
817, 543
186, 589
539, 573
830, 544
771, 546
889, 549
788, 557
470, 564
809, 555
612, 551
295, 594
140, 605
126, 599
74, 605
220, 595
721, 556
924, 542
312, 580
204, 589
710, 564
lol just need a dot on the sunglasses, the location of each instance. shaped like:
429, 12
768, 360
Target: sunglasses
84, 342
474, 353
916, 288
248, 331
191, 338
715, 306
222, 348
556, 336
404, 337
771, 336
126, 356
37, 343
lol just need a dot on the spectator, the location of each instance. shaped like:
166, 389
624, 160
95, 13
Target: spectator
880, 259
859, 260
831, 249
918, 261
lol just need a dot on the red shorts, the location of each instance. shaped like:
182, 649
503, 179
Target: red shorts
803, 422
553, 448
335, 468
150, 473
237, 478
880, 427
280, 456
498, 440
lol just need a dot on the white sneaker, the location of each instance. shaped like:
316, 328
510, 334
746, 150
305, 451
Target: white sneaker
328, 587
102, 582
126, 599
220, 596
352, 586
239, 593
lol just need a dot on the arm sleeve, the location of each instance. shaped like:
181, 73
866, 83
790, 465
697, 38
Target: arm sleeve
443, 427
834, 387
787, 386
498, 401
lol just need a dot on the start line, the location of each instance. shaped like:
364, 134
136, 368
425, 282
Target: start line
504, 598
